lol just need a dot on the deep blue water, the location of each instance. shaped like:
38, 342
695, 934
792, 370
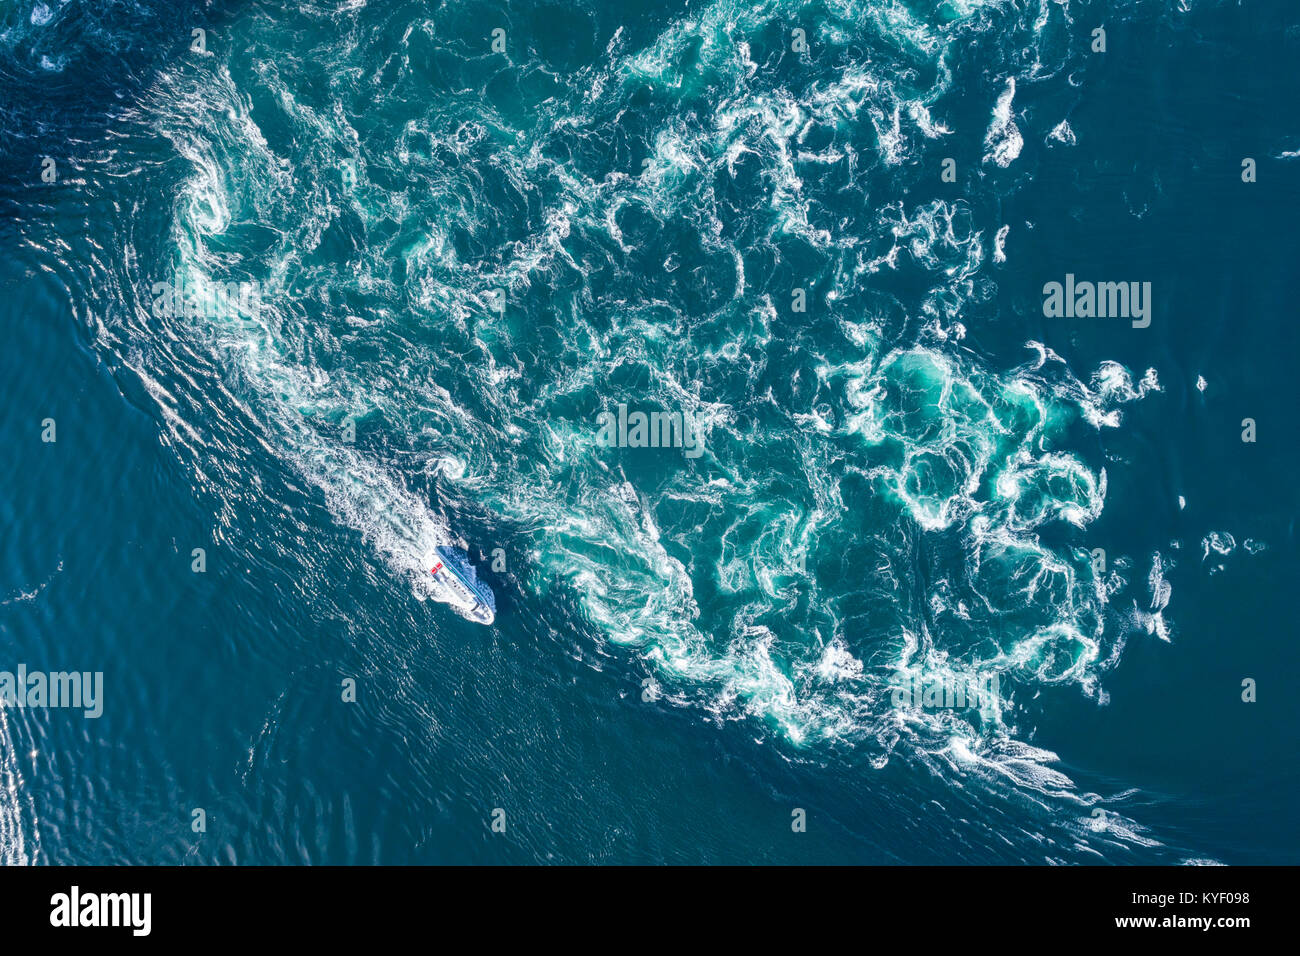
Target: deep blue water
462, 257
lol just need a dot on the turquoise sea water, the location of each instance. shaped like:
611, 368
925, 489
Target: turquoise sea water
448, 261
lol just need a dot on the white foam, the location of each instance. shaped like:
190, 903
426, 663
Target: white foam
1062, 133
1003, 141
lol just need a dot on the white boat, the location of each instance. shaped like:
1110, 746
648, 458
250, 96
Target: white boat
451, 568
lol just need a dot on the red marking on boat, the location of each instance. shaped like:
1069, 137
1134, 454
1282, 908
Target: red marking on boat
437, 569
